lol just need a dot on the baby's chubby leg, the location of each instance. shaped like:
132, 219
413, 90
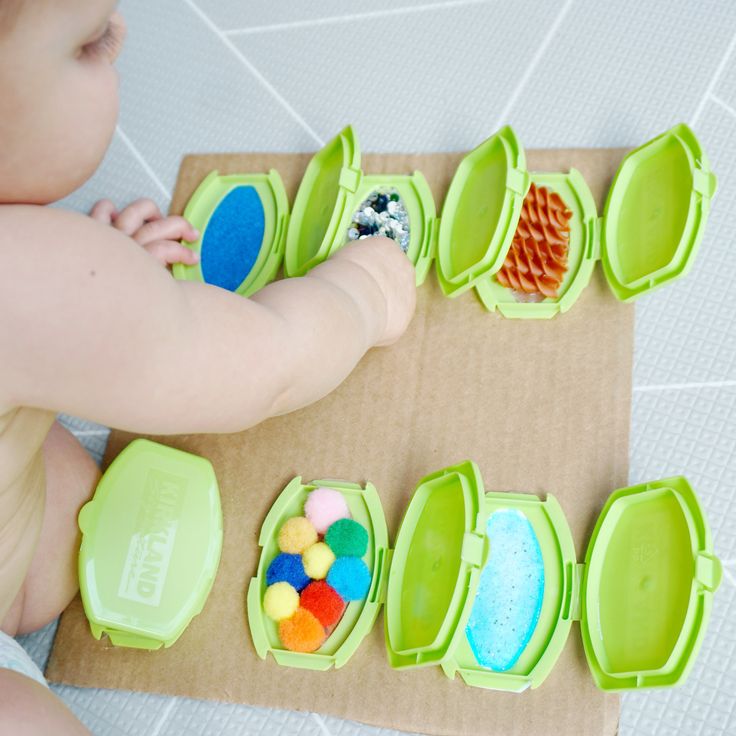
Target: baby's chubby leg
26, 707
51, 580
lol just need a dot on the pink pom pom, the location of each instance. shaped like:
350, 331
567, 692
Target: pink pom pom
324, 507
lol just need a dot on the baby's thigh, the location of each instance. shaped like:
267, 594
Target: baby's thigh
52, 580
26, 706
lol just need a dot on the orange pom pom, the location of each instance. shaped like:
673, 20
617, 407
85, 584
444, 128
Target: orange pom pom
302, 632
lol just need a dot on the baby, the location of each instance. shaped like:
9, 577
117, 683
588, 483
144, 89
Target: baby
92, 323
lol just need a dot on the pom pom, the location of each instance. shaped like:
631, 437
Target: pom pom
318, 560
280, 601
347, 538
323, 601
324, 507
296, 535
350, 577
302, 632
287, 569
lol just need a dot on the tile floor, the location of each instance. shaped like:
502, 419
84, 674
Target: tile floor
225, 75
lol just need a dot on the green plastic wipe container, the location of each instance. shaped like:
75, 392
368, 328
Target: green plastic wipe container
642, 596
151, 541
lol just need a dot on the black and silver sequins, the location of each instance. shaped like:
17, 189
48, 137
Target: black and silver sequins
382, 212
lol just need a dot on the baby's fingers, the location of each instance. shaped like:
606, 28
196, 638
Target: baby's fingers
136, 215
169, 228
167, 252
104, 211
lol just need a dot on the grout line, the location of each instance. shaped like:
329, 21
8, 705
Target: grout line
332, 19
503, 117
164, 716
142, 161
713, 82
683, 386
323, 726
723, 104
247, 64
727, 575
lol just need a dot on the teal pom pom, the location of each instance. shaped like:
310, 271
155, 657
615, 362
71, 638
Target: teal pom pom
350, 577
347, 538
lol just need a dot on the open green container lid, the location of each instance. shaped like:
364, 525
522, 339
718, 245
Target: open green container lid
653, 223
323, 204
332, 189
647, 587
481, 212
441, 548
655, 213
205, 205
151, 541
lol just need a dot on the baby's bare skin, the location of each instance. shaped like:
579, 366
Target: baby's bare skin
94, 325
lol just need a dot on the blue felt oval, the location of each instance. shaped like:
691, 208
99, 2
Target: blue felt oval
510, 592
233, 238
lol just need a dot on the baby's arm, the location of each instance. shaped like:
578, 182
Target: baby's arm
93, 326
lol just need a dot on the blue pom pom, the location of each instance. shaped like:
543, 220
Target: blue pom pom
287, 569
233, 238
350, 577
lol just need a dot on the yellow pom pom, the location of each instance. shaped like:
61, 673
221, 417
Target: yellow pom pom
318, 560
296, 535
280, 601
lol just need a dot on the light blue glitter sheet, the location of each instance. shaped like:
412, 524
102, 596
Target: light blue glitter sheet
510, 593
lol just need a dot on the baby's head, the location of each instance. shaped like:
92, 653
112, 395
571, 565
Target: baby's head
58, 94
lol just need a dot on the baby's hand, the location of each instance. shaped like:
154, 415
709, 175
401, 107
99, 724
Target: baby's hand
158, 235
392, 271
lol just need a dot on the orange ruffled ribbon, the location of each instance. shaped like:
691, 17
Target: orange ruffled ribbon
537, 260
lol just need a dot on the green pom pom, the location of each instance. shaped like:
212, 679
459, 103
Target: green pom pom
347, 538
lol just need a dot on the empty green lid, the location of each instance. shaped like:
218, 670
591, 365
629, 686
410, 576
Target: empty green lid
648, 584
481, 212
322, 208
151, 541
656, 213
440, 550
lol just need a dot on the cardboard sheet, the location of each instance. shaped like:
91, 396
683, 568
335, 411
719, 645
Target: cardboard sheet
541, 406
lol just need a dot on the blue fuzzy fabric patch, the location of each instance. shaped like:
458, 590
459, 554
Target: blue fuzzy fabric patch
233, 238
510, 592
350, 577
287, 569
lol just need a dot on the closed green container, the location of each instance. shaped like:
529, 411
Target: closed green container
151, 542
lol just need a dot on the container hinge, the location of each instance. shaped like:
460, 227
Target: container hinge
594, 226
704, 182
350, 178
474, 549
378, 594
576, 610
517, 181
708, 571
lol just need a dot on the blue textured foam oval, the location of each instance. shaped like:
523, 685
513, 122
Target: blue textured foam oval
510, 592
233, 238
